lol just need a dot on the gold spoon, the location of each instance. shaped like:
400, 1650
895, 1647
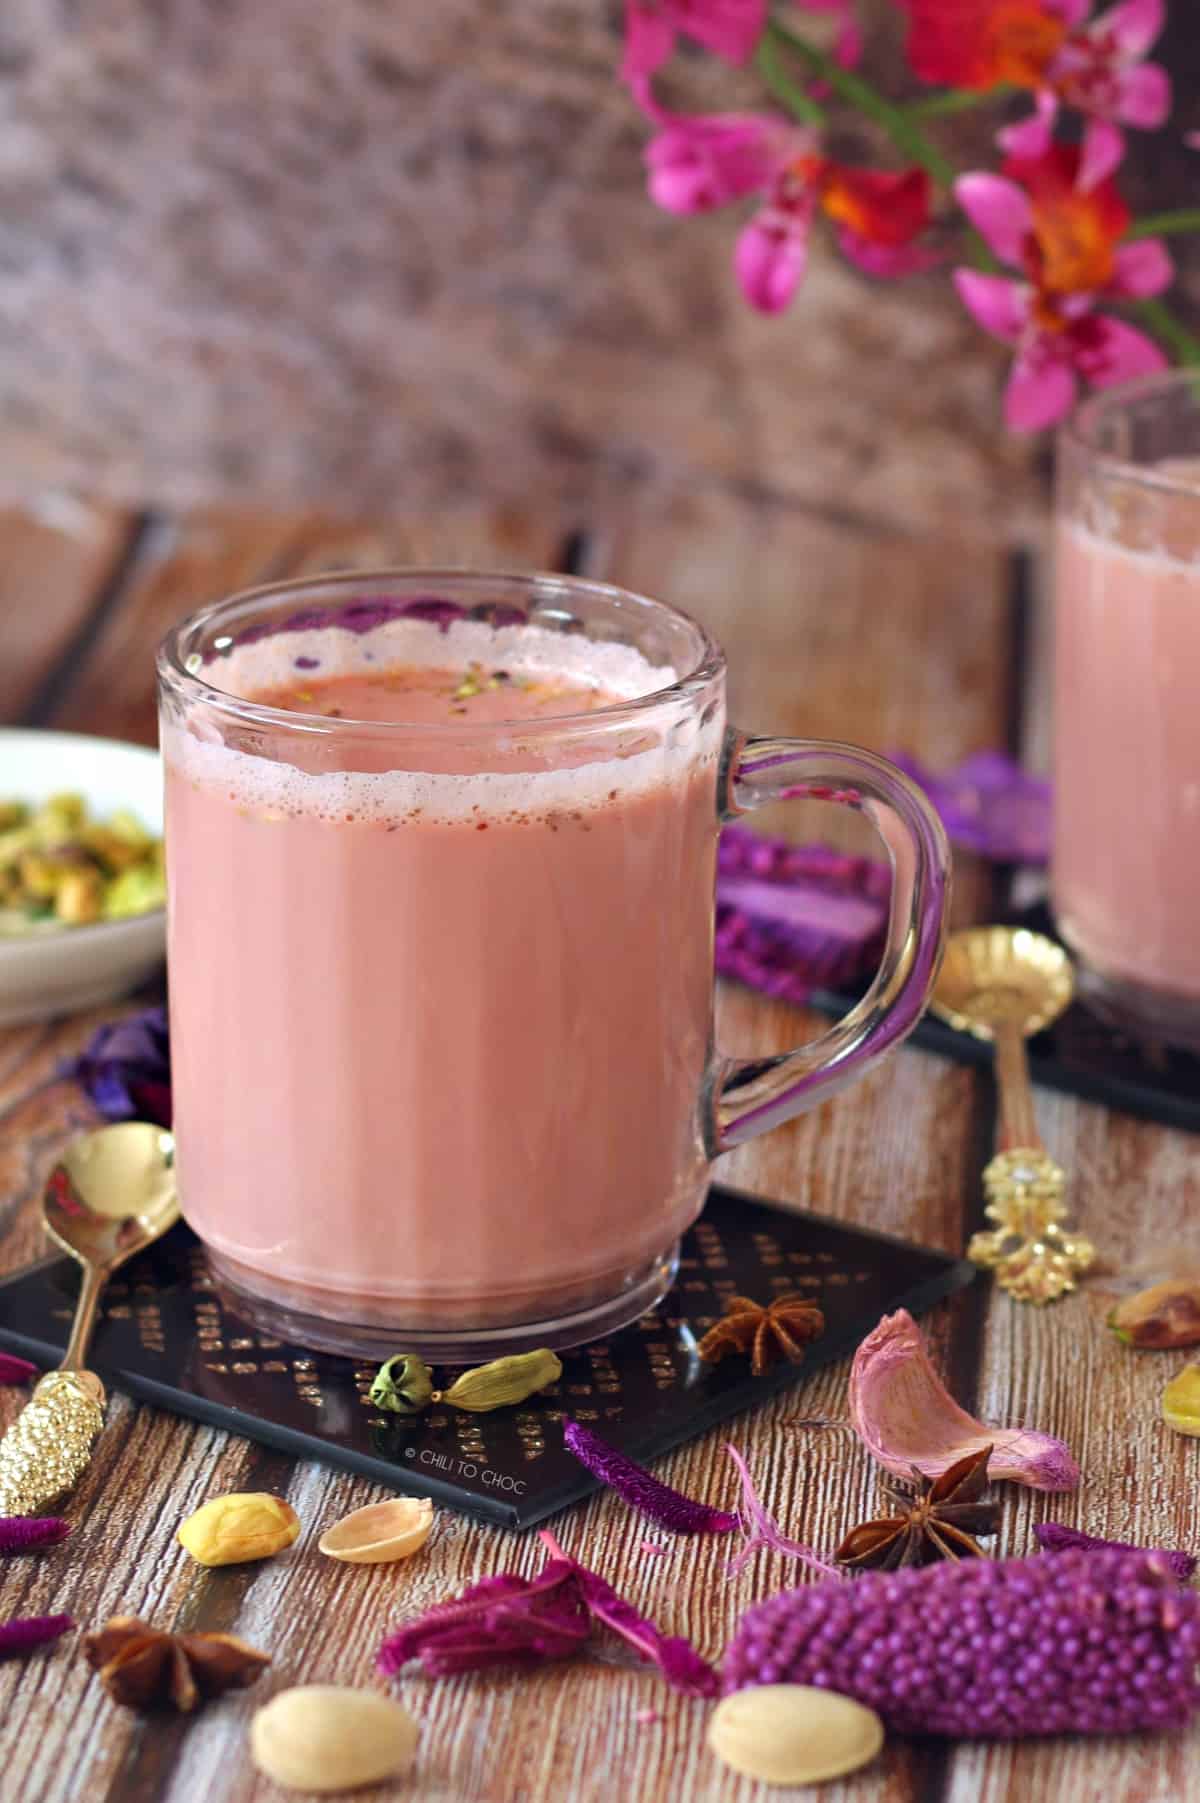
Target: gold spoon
111, 1195
1002, 984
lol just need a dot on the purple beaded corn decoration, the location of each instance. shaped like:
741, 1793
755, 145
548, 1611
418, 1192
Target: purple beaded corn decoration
1083, 1643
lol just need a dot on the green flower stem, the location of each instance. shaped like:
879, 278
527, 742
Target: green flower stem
1162, 225
954, 100
895, 121
798, 103
905, 135
1174, 337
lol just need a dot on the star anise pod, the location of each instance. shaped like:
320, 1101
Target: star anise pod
780, 1330
937, 1518
144, 1668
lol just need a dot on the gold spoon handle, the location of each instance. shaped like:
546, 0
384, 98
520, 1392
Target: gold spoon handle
49, 1446
90, 1290
1018, 1122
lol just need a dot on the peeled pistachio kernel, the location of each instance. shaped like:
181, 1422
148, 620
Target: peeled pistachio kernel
381, 1532
327, 1737
793, 1733
229, 1530
1181, 1401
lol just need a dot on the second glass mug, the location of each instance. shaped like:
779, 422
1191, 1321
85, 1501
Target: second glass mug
441, 992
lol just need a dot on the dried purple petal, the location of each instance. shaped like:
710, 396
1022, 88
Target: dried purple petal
1052, 1537
990, 806
14, 1370
24, 1533
675, 1657
22, 1636
791, 918
1083, 1643
441, 614
501, 1620
761, 1530
672, 1510
508, 1619
126, 1068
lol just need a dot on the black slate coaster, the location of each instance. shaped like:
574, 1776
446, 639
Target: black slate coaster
166, 1336
1081, 1055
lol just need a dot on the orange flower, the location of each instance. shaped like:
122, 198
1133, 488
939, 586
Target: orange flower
1073, 236
881, 206
980, 44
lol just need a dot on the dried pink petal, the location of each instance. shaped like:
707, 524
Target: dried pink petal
761, 1530
675, 1657
672, 1510
502, 1620
905, 1417
528, 1621
22, 1636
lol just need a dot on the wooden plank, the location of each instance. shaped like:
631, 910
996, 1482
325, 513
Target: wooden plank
150, 1468
214, 554
1135, 1188
55, 563
893, 642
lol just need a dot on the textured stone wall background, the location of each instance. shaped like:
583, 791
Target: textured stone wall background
389, 253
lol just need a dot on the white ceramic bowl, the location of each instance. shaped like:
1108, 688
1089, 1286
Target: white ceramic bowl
80, 967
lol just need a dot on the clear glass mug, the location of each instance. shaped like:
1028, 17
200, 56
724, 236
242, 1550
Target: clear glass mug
1126, 858
441, 993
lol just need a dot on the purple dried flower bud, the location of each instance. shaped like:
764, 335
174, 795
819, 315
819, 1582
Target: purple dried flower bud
1052, 1537
1069, 1626
14, 1370
672, 1510
22, 1636
24, 1533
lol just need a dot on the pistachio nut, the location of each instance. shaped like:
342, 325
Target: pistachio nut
244, 1525
328, 1737
793, 1733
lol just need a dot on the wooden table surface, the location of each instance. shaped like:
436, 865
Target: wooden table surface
834, 628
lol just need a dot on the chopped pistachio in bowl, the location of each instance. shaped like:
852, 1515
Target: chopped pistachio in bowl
82, 920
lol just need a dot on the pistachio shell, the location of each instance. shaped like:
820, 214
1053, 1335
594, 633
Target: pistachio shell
380, 1532
1181, 1401
793, 1733
328, 1737
1162, 1317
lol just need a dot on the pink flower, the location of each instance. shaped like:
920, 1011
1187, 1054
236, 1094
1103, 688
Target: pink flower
729, 28
696, 163
849, 44
771, 255
1098, 69
1065, 240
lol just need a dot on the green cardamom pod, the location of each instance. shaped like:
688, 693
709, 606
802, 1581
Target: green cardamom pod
404, 1385
505, 1380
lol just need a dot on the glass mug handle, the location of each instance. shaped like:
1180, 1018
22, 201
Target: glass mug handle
751, 1095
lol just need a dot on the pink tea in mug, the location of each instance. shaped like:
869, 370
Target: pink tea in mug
441, 864
443, 1031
